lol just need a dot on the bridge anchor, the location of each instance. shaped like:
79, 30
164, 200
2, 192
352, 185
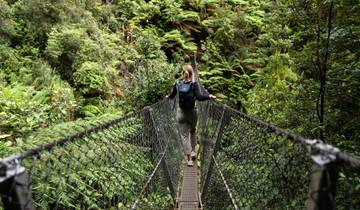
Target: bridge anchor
323, 180
15, 189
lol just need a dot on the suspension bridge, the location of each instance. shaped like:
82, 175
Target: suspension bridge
137, 162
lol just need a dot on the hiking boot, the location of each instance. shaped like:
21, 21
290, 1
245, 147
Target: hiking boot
190, 163
193, 155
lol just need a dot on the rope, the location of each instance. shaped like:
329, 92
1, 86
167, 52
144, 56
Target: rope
226, 185
264, 166
312, 144
118, 163
150, 179
71, 138
105, 166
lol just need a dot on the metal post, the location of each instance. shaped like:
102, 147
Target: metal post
323, 182
15, 189
216, 148
204, 139
148, 130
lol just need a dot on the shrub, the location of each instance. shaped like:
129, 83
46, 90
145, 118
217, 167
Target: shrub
22, 109
91, 80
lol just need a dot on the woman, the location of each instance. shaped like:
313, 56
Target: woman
188, 91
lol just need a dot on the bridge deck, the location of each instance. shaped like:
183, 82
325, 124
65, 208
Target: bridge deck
189, 199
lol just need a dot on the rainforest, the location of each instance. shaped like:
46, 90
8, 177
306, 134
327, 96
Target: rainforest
67, 64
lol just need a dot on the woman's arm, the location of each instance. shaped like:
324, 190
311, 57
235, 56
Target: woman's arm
173, 93
198, 95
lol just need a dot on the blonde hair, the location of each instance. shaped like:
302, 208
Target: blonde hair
188, 68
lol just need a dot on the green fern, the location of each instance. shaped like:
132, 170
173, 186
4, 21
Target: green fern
174, 37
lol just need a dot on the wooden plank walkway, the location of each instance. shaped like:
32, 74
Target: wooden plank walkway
189, 198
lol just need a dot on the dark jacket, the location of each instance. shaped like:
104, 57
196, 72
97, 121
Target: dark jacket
196, 89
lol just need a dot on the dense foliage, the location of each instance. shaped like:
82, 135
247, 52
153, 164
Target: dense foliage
65, 60
293, 63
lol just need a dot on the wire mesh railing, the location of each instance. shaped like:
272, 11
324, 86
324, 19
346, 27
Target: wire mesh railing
250, 164
167, 170
348, 188
121, 164
134, 163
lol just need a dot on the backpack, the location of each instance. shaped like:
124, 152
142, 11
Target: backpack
186, 95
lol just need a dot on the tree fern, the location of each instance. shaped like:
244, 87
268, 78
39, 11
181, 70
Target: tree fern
174, 37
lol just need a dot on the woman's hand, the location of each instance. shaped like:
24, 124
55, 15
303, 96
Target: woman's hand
212, 97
